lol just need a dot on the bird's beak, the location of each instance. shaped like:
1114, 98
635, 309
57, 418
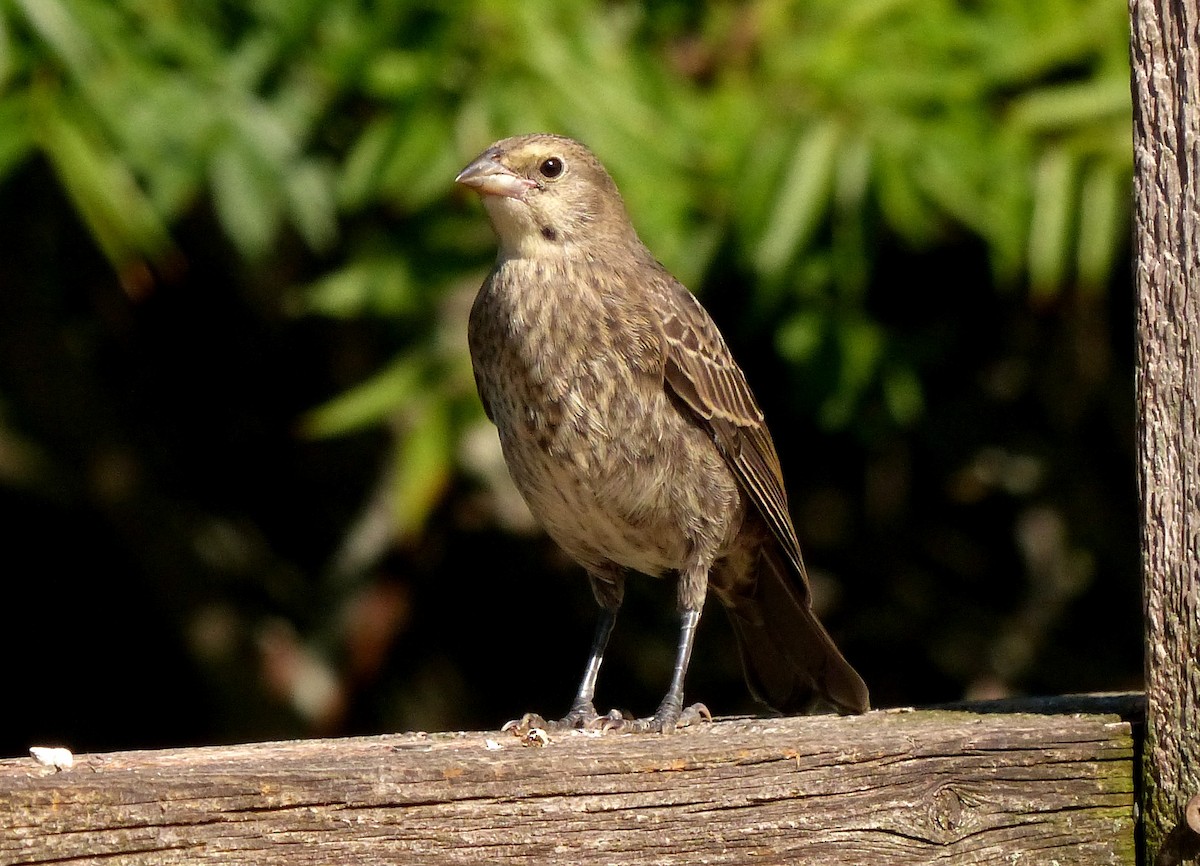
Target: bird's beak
488, 177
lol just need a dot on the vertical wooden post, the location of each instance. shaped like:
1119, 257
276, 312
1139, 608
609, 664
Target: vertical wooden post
1166, 99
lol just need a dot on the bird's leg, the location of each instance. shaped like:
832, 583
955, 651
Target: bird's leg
583, 709
671, 713
609, 590
692, 588
667, 717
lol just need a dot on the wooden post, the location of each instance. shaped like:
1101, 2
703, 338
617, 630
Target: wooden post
1166, 98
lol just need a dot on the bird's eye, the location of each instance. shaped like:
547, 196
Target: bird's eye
551, 167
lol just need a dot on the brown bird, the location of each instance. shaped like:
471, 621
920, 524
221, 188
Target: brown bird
632, 434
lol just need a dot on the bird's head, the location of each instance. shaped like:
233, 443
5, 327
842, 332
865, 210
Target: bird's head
546, 195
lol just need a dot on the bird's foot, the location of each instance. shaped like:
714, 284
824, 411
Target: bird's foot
582, 717
666, 720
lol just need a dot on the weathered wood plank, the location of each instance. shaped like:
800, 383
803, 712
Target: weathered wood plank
1165, 54
897, 788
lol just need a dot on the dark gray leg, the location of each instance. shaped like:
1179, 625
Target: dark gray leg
583, 708
609, 589
672, 702
671, 713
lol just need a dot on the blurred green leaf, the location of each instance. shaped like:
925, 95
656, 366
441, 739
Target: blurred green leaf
1103, 225
369, 402
120, 216
363, 165
246, 197
903, 394
377, 286
395, 74
8, 63
801, 199
53, 22
418, 167
309, 190
1050, 226
862, 342
1070, 106
424, 459
800, 337
16, 135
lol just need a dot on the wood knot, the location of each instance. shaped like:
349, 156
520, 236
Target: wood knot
952, 814
946, 809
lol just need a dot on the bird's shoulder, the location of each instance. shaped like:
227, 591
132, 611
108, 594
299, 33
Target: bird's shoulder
699, 364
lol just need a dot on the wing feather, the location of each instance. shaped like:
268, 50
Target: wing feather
701, 371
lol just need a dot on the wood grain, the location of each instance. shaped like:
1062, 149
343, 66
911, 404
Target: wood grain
894, 788
1166, 92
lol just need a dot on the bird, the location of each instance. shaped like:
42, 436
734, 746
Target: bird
633, 436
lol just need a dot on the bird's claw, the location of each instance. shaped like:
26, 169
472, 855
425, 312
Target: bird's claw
531, 728
696, 714
582, 717
522, 726
667, 720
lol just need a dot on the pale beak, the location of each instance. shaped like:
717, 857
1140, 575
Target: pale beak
488, 177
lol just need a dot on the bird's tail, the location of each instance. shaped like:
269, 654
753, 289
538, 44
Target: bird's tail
790, 661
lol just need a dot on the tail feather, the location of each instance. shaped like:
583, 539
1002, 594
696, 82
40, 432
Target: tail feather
790, 661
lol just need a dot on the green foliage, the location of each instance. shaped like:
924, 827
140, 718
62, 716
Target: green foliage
792, 134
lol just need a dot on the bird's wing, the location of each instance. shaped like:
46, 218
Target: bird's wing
702, 373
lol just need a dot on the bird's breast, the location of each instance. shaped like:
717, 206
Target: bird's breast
555, 356
605, 460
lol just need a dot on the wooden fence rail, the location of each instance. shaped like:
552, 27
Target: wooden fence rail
919, 787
